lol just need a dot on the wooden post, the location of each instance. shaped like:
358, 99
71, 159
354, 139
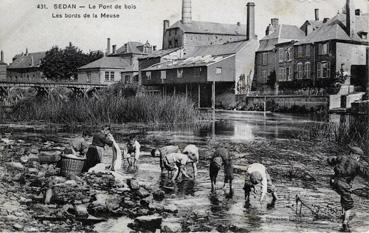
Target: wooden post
186, 91
174, 89
198, 95
163, 93
213, 95
265, 103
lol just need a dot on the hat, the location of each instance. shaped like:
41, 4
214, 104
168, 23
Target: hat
356, 150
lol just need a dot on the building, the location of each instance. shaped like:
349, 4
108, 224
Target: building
26, 67
3, 67
268, 56
311, 25
188, 33
338, 47
206, 71
117, 65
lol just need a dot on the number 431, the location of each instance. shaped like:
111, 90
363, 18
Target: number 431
41, 6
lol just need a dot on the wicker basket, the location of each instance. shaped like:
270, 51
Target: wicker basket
71, 165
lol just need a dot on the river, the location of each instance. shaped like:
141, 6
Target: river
247, 135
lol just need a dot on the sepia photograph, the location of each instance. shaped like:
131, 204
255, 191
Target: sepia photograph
124, 116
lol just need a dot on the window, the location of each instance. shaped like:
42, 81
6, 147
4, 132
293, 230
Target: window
264, 58
148, 75
282, 74
122, 77
264, 76
88, 77
299, 70
127, 79
307, 70
288, 74
112, 76
179, 73
300, 51
323, 48
323, 70
218, 70
288, 54
163, 74
281, 55
170, 44
307, 50
106, 76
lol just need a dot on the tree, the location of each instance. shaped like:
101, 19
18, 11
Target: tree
62, 64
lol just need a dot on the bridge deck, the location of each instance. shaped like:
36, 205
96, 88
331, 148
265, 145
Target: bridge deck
4, 83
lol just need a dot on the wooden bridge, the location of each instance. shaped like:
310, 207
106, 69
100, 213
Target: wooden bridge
47, 87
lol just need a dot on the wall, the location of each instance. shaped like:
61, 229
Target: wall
349, 54
260, 82
228, 70
283, 103
25, 75
95, 76
196, 39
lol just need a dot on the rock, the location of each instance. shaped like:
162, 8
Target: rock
34, 150
18, 226
133, 184
146, 201
156, 207
33, 170
24, 159
16, 165
48, 196
71, 183
158, 195
170, 208
113, 203
170, 226
142, 193
33, 157
31, 229
81, 211
150, 222
49, 156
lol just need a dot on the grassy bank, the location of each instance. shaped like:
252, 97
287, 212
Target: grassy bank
107, 108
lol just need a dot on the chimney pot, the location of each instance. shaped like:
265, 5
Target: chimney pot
114, 47
26, 51
238, 24
325, 20
350, 18
316, 14
2, 56
357, 12
274, 22
186, 12
250, 21
154, 47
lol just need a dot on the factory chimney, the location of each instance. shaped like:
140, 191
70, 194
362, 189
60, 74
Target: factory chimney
250, 21
316, 14
350, 18
2, 56
186, 12
107, 47
165, 27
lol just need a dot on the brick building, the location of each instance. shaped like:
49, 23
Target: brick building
188, 33
337, 47
26, 67
268, 56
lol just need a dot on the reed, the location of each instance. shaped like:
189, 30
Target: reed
109, 108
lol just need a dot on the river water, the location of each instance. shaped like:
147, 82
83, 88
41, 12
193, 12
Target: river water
214, 211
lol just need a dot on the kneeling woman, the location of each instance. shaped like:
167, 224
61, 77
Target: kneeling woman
177, 162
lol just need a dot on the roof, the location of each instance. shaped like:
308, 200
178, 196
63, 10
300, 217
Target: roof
160, 53
283, 33
315, 24
109, 63
334, 29
130, 47
218, 49
211, 28
27, 60
188, 62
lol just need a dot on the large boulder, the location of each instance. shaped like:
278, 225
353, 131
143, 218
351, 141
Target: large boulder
150, 222
171, 225
158, 195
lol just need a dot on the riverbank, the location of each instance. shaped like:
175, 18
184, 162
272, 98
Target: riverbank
296, 166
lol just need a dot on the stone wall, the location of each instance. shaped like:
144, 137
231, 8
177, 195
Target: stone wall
282, 103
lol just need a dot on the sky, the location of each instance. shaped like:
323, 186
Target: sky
23, 25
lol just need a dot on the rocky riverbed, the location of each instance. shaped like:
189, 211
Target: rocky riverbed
34, 196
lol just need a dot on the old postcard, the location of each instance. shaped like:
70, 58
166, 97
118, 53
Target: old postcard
184, 116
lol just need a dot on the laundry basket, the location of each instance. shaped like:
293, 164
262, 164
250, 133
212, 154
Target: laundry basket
71, 165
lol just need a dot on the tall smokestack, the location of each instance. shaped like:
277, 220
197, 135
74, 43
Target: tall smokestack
316, 14
2, 56
186, 12
108, 46
165, 26
350, 18
250, 24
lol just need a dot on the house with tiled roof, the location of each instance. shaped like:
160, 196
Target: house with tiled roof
336, 47
268, 55
117, 65
26, 67
212, 58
